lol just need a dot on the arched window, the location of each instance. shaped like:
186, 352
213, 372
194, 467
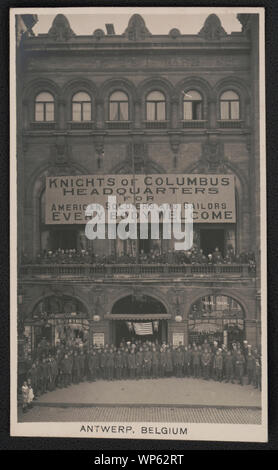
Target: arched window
156, 106
229, 105
192, 106
118, 106
81, 107
44, 107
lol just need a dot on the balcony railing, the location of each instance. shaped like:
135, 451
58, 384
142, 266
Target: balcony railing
43, 125
42, 271
81, 125
230, 124
118, 124
156, 124
194, 124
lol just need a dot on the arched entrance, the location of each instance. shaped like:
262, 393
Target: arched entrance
139, 317
57, 319
216, 317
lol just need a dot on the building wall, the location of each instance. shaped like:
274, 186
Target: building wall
209, 64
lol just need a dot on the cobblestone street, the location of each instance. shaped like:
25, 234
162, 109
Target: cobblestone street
169, 400
145, 414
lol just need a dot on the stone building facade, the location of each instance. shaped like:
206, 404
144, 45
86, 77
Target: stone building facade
108, 104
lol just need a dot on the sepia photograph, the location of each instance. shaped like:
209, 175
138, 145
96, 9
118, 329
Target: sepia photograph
138, 223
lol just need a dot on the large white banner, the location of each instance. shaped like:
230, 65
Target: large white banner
212, 196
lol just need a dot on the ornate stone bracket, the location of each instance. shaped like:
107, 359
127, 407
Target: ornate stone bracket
213, 155
175, 140
60, 30
99, 148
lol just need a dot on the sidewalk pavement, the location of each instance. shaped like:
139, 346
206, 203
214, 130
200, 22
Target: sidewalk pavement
184, 392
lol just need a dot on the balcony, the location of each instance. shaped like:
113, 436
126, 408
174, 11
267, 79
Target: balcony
156, 124
230, 124
82, 125
118, 124
43, 125
127, 271
194, 124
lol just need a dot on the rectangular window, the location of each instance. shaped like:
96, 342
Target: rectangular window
187, 110
197, 110
87, 112
39, 112
224, 111
150, 111
234, 110
113, 111
49, 111
160, 111
123, 112
76, 112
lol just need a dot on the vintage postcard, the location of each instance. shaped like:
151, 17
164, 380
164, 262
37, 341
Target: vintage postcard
138, 223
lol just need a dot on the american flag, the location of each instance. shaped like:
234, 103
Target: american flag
143, 328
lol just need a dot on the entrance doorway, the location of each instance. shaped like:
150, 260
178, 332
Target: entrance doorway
65, 239
216, 318
139, 320
123, 331
212, 238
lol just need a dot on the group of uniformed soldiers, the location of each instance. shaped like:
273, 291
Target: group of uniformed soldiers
193, 256
144, 360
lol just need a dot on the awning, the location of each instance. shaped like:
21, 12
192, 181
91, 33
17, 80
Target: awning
143, 316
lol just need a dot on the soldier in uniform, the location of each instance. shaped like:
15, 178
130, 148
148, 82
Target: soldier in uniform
82, 366
119, 364
229, 367
240, 367
125, 354
250, 367
93, 366
147, 362
196, 362
103, 364
179, 360
44, 372
218, 365
110, 364
155, 362
33, 376
132, 364
206, 359
75, 368
186, 362
258, 373
139, 363
169, 362
67, 370
162, 362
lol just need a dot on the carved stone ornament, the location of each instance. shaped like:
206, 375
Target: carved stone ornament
212, 155
60, 29
60, 151
136, 29
212, 28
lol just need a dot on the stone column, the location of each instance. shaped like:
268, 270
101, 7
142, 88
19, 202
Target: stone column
61, 120
137, 114
100, 113
26, 118
212, 114
174, 123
